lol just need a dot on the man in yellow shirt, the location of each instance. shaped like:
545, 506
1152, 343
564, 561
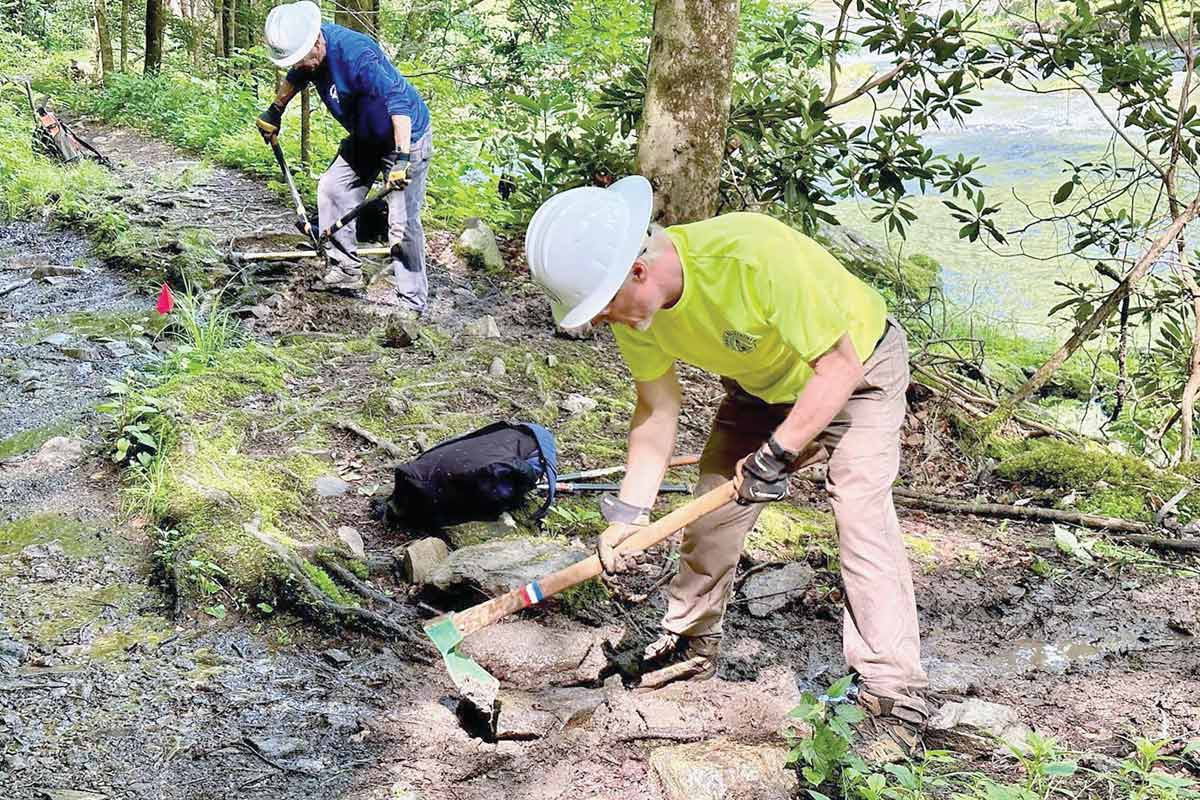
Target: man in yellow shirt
809, 360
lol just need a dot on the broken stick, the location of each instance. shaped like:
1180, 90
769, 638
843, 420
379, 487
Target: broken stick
391, 448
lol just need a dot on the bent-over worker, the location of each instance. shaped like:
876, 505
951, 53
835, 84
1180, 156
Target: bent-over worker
808, 358
389, 132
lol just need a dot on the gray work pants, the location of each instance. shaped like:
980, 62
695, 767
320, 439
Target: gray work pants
342, 187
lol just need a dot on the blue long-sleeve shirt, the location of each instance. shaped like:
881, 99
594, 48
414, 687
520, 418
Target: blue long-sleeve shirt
362, 89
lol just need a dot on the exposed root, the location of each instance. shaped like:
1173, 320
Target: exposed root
362, 618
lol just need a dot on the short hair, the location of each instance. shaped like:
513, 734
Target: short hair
655, 243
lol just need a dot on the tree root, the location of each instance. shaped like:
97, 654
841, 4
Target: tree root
372, 622
391, 448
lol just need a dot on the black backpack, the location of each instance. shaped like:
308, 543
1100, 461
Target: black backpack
475, 477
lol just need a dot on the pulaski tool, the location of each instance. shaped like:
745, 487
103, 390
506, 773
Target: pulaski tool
448, 631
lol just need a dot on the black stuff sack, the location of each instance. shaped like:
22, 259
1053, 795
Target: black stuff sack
474, 477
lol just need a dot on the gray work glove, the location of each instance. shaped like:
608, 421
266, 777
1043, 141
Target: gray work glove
764, 474
625, 519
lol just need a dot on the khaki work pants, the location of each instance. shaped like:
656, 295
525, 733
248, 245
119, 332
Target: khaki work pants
880, 637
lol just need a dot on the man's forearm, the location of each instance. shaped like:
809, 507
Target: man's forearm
651, 442
835, 376
285, 94
402, 126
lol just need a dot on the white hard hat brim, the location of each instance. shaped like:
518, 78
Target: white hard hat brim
312, 21
639, 200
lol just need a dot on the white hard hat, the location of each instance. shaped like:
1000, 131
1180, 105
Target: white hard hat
582, 243
291, 31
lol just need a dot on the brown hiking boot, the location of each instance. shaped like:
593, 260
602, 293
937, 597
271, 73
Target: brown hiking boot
672, 658
893, 730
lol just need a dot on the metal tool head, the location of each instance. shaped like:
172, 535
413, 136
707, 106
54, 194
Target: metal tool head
475, 684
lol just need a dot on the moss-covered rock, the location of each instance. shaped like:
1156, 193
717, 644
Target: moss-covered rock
788, 533
1055, 464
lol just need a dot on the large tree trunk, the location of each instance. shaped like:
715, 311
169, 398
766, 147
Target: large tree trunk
155, 24
219, 29
103, 40
228, 26
682, 138
124, 33
360, 15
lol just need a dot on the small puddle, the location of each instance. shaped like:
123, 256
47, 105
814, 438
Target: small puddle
1035, 654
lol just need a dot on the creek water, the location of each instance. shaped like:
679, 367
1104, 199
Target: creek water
1024, 140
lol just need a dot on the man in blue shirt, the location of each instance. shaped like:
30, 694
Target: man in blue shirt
389, 132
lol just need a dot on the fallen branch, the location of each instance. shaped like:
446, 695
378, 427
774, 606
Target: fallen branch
12, 287
908, 497
391, 448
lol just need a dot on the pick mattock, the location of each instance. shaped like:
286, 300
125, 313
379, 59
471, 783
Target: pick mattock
447, 631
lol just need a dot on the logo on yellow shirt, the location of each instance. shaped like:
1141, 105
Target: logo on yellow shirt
740, 342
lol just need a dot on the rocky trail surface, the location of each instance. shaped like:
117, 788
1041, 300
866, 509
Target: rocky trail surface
109, 690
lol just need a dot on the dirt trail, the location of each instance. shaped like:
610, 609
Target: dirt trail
102, 691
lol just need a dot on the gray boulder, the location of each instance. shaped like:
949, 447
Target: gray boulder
772, 590
477, 245
500, 566
977, 726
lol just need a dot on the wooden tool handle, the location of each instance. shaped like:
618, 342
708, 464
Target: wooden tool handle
485, 614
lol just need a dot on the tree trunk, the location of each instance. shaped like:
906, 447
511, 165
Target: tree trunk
1006, 408
104, 40
219, 29
155, 23
124, 33
227, 26
360, 15
682, 139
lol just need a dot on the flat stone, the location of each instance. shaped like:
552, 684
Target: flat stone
118, 349
57, 271
353, 540
525, 655
497, 369
58, 280
484, 327
58, 452
400, 331
977, 726
277, 746
339, 658
59, 339
723, 770
330, 486
477, 245
12, 654
771, 590
576, 404
745, 711
522, 718
503, 565
34, 552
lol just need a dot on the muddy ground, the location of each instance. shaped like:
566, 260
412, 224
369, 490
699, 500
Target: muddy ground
106, 691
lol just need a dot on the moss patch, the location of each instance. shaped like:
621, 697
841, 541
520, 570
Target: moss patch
1054, 464
77, 540
34, 438
789, 532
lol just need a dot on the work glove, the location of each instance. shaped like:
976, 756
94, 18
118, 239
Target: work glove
764, 474
269, 122
625, 519
397, 174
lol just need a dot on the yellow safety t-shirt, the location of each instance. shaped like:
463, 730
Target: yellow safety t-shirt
760, 302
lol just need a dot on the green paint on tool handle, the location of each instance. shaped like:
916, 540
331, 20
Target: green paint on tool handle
463, 671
